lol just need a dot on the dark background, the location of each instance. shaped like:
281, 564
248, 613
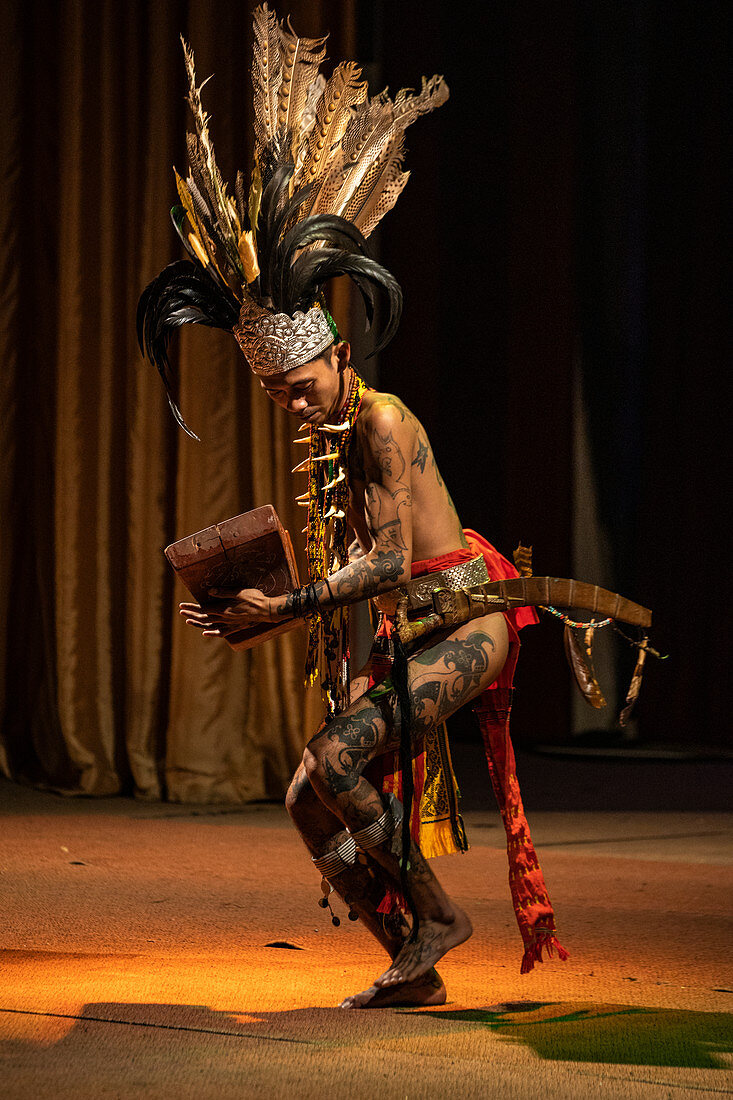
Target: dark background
565, 218
567, 208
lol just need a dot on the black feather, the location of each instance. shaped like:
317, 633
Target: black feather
312, 269
274, 200
279, 212
328, 228
322, 227
291, 279
182, 294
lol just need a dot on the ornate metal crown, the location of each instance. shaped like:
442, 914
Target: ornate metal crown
274, 342
327, 168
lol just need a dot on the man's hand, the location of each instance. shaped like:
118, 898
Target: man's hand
232, 610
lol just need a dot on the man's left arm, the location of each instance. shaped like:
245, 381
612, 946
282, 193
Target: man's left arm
388, 442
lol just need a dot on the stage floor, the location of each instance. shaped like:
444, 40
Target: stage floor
135, 962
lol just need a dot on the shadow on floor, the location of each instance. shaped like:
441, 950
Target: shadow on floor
557, 1031
620, 1034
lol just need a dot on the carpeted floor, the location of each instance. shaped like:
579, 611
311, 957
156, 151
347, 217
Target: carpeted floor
139, 960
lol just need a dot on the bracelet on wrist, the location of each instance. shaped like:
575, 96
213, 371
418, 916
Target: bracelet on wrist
305, 601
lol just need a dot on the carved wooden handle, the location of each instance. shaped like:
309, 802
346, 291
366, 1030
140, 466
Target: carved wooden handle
449, 609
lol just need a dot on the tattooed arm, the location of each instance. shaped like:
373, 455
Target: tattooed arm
388, 445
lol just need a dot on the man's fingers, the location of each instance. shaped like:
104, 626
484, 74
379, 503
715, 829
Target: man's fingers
198, 615
197, 609
209, 630
204, 616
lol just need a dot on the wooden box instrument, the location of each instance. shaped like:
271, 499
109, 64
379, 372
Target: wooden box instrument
248, 551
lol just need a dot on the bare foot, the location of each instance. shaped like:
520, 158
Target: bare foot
434, 939
428, 990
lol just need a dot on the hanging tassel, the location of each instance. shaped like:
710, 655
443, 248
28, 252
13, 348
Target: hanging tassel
541, 941
400, 681
635, 685
392, 901
325, 901
582, 666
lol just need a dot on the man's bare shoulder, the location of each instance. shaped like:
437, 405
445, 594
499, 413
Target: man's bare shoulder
386, 410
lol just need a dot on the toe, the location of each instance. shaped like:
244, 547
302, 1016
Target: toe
393, 978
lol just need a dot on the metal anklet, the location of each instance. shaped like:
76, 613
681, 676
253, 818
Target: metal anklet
330, 865
338, 860
381, 830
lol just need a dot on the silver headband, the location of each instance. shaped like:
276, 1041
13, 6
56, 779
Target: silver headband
273, 342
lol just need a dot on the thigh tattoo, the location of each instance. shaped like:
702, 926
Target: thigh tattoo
442, 679
352, 741
447, 676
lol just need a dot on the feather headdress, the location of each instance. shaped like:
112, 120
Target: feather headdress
327, 168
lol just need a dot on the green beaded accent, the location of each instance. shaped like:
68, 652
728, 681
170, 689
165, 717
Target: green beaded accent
331, 324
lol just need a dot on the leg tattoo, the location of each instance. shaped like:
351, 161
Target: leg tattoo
440, 680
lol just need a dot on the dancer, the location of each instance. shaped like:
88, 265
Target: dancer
375, 794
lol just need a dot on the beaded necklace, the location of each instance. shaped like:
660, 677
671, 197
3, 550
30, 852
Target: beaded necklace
327, 500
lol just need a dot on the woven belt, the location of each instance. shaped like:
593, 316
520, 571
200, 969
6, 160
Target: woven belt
466, 575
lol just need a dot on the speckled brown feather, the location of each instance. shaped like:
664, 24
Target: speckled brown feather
301, 60
580, 659
266, 75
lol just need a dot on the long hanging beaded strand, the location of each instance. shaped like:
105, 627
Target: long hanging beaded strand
327, 500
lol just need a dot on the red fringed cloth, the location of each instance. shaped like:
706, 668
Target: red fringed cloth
435, 822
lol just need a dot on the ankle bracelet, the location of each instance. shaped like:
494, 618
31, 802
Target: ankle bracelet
337, 860
381, 830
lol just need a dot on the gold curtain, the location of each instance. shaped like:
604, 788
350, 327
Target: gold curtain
102, 688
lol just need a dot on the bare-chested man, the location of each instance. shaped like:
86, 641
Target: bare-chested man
401, 512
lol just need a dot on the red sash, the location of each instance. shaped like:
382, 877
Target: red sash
532, 906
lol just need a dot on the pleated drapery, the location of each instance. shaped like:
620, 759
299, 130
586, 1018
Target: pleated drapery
102, 687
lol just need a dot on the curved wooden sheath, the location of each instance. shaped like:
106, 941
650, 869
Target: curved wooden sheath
414, 617
560, 592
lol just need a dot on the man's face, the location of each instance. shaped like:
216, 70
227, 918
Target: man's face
311, 392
